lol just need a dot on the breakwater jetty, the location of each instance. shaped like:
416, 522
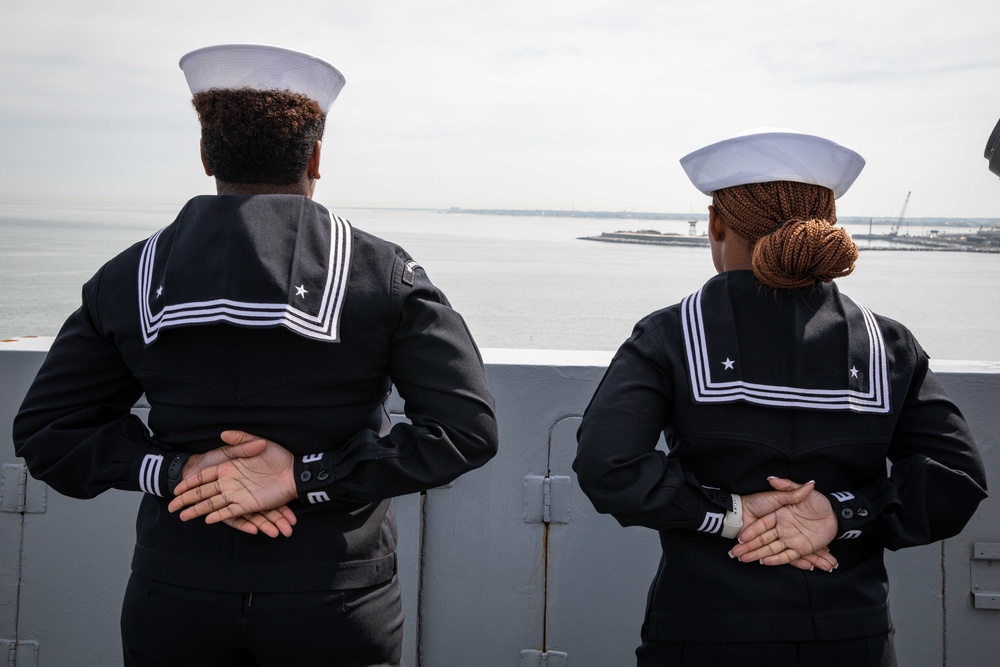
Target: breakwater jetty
937, 239
650, 237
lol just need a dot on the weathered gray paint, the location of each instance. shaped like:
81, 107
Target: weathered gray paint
477, 599
478, 588
972, 636
16, 371
598, 572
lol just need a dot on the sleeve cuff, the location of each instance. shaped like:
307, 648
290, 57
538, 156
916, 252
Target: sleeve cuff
713, 513
854, 516
314, 479
160, 473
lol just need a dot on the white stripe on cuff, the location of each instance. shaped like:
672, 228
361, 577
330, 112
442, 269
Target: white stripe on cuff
149, 474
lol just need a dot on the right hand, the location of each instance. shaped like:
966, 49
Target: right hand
274, 522
257, 483
795, 533
759, 505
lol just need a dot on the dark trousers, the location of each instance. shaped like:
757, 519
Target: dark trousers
863, 652
171, 626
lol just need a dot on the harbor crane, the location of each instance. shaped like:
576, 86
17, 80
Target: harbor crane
902, 214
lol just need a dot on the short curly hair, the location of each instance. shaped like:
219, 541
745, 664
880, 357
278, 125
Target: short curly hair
258, 136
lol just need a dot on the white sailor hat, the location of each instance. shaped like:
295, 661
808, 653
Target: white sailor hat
262, 68
760, 156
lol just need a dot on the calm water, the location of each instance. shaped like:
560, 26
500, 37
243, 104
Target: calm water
519, 282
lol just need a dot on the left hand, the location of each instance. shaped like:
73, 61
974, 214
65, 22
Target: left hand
240, 488
272, 522
819, 560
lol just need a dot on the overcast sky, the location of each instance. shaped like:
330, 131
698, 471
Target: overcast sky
584, 104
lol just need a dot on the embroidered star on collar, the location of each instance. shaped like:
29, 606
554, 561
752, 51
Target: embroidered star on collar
301, 291
854, 372
728, 364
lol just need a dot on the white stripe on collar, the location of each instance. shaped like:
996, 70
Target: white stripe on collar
324, 326
704, 390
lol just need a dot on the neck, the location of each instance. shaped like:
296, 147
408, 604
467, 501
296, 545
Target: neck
298, 188
737, 258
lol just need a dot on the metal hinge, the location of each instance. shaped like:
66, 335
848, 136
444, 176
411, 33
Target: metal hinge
986, 575
19, 492
546, 499
544, 659
18, 653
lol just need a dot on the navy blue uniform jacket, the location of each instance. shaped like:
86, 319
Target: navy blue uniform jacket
745, 382
269, 315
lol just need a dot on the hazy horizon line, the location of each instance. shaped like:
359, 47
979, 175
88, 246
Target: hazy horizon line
666, 216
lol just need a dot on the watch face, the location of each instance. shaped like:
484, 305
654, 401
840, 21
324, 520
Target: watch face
993, 150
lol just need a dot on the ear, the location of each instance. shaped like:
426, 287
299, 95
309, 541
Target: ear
204, 160
716, 227
312, 171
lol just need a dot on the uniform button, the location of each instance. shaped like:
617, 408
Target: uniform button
322, 474
862, 512
305, 476
847, 513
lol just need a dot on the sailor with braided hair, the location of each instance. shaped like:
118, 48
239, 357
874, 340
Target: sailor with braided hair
780, 400
790, 227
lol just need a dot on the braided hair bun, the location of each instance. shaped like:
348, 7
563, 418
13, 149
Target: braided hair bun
791, 227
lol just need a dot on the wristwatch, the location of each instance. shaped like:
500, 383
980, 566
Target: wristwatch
174, 471
733, 521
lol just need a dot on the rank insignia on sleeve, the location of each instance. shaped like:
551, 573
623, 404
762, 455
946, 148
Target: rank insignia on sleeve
408, 270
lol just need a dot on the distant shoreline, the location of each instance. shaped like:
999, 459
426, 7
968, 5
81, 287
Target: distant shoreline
9, 201
560, 213
701, 217
987, 243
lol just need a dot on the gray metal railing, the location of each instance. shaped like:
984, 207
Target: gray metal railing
509, 565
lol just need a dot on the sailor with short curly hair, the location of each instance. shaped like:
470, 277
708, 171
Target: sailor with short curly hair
257, 136
260, 317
